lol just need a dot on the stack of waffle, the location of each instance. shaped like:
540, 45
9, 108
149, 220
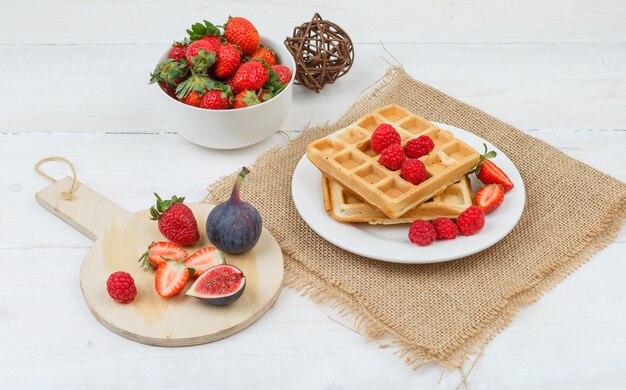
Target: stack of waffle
357, 188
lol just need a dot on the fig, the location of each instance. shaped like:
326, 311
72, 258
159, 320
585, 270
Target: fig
220, 285
234, 226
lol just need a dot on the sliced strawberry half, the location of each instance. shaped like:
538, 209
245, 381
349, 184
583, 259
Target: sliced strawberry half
489, 173
203, 259
159, 251
170, 278
490, 197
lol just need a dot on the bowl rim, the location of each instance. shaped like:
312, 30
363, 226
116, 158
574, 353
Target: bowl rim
263, 39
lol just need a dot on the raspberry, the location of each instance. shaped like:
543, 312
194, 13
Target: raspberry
121, 287
470, 221
419, 146
445, 228
414, 171
392, 157
422, 233
383, 136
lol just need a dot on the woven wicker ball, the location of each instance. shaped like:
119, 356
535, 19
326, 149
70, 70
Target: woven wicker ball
323, 52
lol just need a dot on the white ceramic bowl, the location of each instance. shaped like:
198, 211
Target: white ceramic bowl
231, 129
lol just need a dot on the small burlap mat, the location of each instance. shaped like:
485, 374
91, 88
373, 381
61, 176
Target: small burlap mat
442, 312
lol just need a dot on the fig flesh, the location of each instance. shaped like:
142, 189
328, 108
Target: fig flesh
220, 285
234, 226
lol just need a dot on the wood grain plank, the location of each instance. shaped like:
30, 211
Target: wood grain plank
71, 22
104, 88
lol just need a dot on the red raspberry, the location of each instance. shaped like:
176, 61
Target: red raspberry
383, 136
419, 146
414, 171
470, 221
445, 228
422, 233
392, 157
121, 287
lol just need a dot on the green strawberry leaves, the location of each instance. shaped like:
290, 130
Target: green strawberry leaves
273, 85
199, 30
163, 205
227, 92
202, 61
485, 156
195, 82
169, 71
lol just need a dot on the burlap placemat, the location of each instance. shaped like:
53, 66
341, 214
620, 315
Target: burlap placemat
443, 312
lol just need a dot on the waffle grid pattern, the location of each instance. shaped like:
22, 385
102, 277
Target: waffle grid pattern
346, 156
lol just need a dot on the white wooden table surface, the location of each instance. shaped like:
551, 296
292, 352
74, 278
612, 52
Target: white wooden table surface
74, 83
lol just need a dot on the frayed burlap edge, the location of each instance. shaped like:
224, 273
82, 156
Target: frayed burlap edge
374, 327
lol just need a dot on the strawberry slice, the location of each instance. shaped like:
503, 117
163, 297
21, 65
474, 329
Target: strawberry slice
203, 259
159, 251
490, 197
170, 278
489, 173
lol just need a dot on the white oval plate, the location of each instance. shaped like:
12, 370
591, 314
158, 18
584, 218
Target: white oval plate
391, 243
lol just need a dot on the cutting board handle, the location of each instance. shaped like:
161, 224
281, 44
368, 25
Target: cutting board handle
88, 211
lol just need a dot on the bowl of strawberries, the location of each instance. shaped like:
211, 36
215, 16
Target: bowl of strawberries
225, 87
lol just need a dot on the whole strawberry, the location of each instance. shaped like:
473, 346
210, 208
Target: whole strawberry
250, 76
178, 50
121, 287
193, 99
176, 220
201, 53
246, 99
283, 72
229, 82
227, 61
241, 32
216, 99
266, 54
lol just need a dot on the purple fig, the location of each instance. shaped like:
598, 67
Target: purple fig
234, 226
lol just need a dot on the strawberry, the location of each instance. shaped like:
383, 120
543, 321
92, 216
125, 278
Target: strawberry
218, 98
239, 31
159, 251
178, 50
201, 54
266, 54
227, 61
168, 73
193, 99
489, 173
176, 220
251, 76
199, 31
203, 259
171, 277
283, 72
229, 82
246, 99
195, 82
490, 197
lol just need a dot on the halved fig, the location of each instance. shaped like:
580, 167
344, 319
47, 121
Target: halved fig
220, 285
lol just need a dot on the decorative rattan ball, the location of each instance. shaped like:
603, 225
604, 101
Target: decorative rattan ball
323, 52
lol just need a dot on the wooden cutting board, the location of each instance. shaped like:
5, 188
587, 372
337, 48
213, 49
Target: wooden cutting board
120, 239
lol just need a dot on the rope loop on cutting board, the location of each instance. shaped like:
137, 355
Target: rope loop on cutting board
67, 195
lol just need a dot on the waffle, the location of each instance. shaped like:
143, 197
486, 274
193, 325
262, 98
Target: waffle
346, 207
346, 157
